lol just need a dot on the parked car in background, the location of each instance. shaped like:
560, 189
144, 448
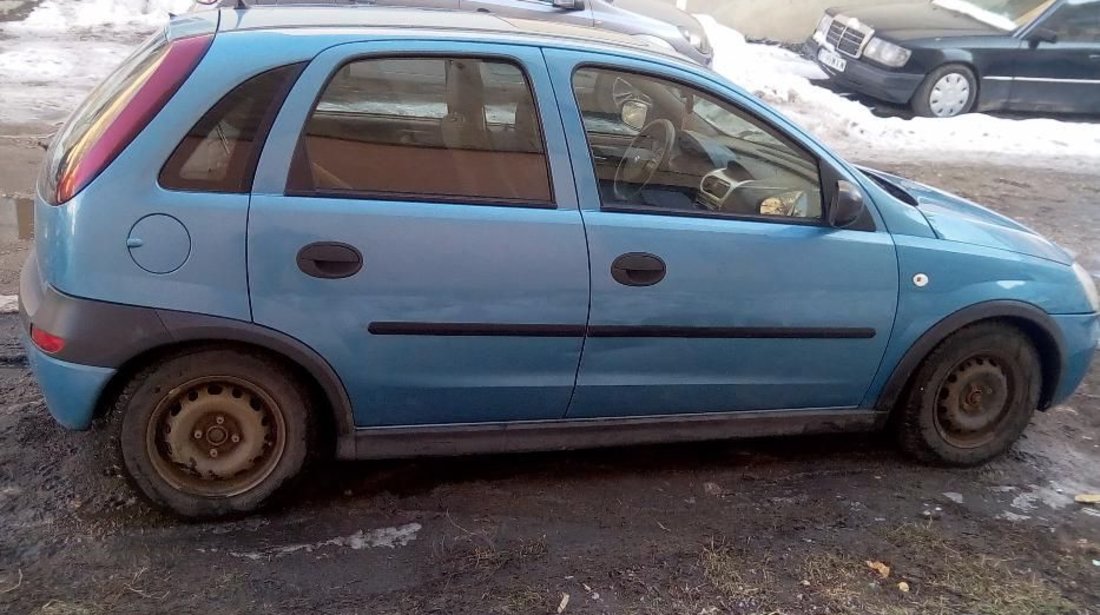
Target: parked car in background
657, 22
276, 233
947, 57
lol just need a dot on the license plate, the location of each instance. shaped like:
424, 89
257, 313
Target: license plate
832, 60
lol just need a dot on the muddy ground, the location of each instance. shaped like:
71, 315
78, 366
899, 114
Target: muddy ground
771, 526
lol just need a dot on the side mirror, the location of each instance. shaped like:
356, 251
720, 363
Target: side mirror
847, 205
1042, 35
634, 113
568, 5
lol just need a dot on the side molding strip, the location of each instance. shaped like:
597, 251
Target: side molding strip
464, 329
571, 434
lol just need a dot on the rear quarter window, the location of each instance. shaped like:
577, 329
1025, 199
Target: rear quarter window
220, 152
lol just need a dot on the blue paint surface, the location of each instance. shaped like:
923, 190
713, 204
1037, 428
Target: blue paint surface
71, 391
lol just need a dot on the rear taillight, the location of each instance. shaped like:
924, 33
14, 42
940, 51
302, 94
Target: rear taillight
127, 114
46, 341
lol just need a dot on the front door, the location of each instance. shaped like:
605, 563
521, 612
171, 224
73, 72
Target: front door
1062, 76
716, 284
420, 237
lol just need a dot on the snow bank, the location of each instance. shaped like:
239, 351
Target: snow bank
69, 14
782, 78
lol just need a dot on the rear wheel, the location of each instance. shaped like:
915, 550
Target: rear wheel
972, 397
213, 432
948, 91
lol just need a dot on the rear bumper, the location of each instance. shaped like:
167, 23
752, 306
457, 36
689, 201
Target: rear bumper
1080, 335
866, 78
71, 390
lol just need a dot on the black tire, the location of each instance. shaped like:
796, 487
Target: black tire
212, 391
922, 99
972, 397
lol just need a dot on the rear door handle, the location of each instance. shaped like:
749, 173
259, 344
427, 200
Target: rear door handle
330, 260
1094, 56
638, 269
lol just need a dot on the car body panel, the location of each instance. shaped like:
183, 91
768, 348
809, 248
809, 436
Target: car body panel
724, 273
212, 280
956, 219
447, 264
430, 262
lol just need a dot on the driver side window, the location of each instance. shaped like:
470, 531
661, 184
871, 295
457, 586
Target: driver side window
662, 147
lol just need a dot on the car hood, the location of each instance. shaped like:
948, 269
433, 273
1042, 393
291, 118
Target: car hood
954, 218
918, 20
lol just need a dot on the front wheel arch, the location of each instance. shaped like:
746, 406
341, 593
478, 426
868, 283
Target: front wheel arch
1031, 320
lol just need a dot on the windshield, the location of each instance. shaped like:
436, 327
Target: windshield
1003, 14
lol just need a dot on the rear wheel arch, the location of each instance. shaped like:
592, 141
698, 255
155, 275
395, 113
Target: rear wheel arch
331, 402
1036, 324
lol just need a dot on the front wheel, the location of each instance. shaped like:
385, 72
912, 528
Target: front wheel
213, 432
972, 397
948, 91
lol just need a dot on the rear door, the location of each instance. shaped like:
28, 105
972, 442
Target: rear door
1063, 76
424, 237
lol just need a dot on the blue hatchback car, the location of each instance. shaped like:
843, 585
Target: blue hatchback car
275, 233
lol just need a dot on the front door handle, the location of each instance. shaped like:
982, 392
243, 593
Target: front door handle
638, 269
1095, 57
330, 260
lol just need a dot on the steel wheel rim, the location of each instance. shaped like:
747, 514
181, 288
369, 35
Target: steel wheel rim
216, 436
949, 95
973, 402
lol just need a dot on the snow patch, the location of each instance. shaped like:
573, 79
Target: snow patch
387, 537
9, 304
67, 14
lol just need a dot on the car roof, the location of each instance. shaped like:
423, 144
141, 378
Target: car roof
426, 21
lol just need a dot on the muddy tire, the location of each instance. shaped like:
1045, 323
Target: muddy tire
214, 432
950, 90
972, 397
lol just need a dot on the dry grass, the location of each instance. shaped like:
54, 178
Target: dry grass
976, 582
950, 579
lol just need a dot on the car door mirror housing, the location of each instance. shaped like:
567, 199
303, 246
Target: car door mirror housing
847, 206
1042, 35
568, 5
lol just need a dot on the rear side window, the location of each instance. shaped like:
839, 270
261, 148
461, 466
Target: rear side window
441, 129
219, 154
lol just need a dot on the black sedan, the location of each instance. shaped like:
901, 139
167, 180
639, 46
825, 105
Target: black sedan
947, 57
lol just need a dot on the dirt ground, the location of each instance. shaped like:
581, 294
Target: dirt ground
773, 526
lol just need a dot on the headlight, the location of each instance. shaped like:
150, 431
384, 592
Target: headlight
823, 25
655, 40
697, 39
1088, 284
886, 53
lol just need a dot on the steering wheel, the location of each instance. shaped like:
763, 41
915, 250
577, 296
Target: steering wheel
648, 152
